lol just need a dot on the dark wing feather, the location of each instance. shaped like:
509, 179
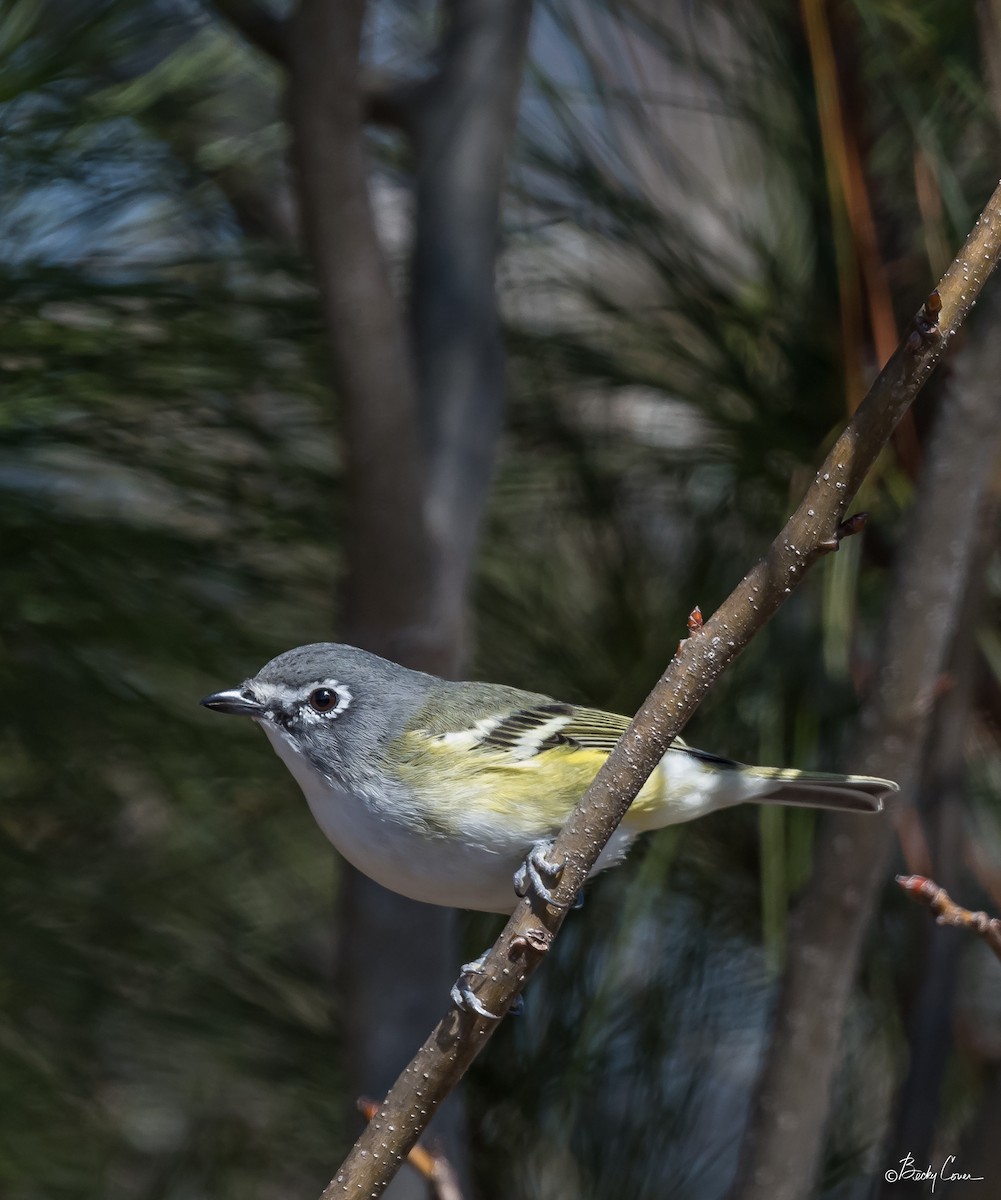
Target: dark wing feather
516, 729
567, 725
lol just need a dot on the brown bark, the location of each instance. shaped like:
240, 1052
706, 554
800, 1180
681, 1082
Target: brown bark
784, 1138
387, 595
421, 412
386, 605
462, 134
459, 1036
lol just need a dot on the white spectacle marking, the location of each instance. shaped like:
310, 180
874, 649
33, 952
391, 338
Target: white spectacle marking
281, 695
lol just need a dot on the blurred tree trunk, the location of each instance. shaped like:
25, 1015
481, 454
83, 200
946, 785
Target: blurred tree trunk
783, 1142
421, 405
941, 802
980, 1144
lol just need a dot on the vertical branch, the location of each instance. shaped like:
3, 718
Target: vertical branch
941, 801
421, 417
462, 137
387, 595
421, 411
784, 1139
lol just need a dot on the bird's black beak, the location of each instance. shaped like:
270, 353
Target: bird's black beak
237, 702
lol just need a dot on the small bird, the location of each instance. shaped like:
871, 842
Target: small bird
440, 790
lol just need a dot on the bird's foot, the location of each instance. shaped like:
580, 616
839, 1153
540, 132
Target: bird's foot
465, 998
539, 875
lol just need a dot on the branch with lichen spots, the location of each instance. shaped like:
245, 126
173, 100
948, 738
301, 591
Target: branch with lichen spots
815, 528
431, 1165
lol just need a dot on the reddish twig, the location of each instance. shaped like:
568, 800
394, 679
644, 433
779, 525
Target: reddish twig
948, 912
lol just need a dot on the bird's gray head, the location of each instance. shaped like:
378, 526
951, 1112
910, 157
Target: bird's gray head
332, 705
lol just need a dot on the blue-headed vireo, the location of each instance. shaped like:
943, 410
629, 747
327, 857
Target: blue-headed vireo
439, 790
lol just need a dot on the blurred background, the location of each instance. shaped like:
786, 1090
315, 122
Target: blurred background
494, 337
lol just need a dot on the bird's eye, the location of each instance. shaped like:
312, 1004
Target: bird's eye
323, 700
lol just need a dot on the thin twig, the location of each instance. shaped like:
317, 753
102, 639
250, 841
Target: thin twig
522, 945
948, 912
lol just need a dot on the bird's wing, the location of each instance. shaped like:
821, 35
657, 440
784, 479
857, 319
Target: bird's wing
518, 762
525, 733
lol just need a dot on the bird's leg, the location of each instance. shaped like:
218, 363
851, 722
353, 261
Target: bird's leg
537, 874
465, 998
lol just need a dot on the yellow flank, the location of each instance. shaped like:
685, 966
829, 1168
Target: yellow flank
531, 797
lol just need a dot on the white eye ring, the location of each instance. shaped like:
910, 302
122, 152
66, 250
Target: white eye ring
328, 699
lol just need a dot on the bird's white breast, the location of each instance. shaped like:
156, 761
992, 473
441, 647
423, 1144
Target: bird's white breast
373, 834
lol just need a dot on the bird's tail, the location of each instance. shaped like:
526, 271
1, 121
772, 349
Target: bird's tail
813, 789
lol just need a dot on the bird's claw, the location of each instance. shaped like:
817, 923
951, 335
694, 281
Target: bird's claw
465, 998
538, 875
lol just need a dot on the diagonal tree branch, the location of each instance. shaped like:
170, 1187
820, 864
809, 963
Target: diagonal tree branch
784, 1141
431, 1165
522, 945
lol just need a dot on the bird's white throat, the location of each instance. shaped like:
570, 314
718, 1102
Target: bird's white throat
393, 852
349, 821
